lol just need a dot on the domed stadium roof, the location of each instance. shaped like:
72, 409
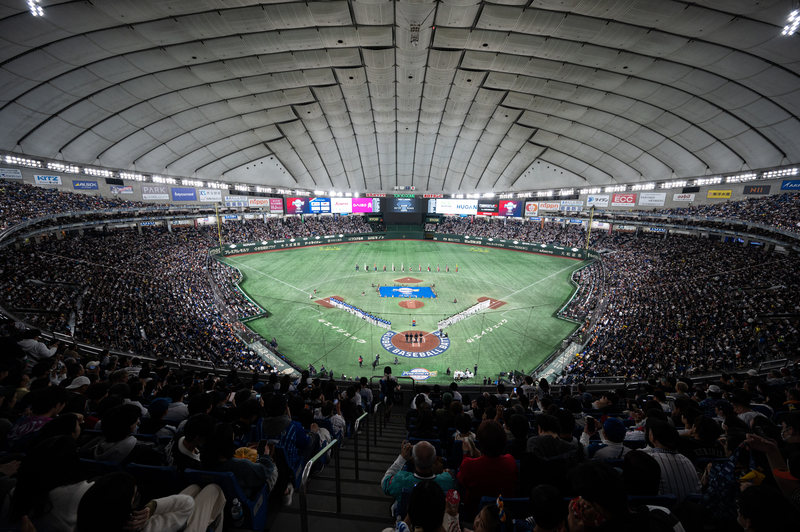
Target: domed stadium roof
456, 95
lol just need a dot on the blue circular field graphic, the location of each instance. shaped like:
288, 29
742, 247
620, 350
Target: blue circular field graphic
434, 344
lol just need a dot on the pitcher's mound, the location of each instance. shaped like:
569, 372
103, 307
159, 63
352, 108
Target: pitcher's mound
407, 280
326, 303
496, 303
412, 304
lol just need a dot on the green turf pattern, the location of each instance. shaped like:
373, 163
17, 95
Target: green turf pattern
517, 336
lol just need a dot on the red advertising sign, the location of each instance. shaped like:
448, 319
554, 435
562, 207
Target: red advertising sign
275, 205
428, 196
531, 208
373, 195
623, 200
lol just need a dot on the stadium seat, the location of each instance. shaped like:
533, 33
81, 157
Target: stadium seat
95, 468
635, 444
255, 511
765, 410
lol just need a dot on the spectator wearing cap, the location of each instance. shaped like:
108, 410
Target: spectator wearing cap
612, 435
79, 385
155, 424
678, 475
709, 404
741, 407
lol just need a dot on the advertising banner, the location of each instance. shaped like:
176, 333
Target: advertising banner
510, 208
84, 185
184, 194
257, 202
652, 199
792, 184
275, 205
153, 192
10, 173
571, 202
118, 189
531, 208
757, 189
488, 208
572, 208
287, 243
683, 197
319, 205
47, 180
719, 194
456, 206
403, 203
210, 195
342, 205
297, 206
623, 200
364, 204
236, 201
231, 217
597, 201
545, 249
549, 206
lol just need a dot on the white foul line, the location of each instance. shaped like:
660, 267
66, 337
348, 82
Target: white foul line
537, 282
271, 277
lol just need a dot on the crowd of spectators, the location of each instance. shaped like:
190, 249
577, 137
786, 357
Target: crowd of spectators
589, 281
675, 456
292, 227
539, 232
69, 419
226, 279
689, 305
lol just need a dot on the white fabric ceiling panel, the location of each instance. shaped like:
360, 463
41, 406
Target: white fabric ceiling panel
639, 112
378, 58
732, 96
337, 120
191, 141
373, 12
669, 151
695, 21
139, 142
46, 99
754, 149
743, 34
639, 89
785, 135
257, 119
145, 87
115, 70
699, 83
38, 66
267, 133
9, 49
84, 148
762, 113
244, 20
621, 127
675, 100
718, 158
618, 35
114, 128
449, 15
698, 54
80, 82
232, 126
332, 93
658, 44
594, 56
162, 32
606, 81
77, 51
31, 35
739, 66
281, 114
643, 138
646, 12
55, 133
694, 139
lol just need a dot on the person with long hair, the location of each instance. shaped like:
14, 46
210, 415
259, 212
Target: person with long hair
50, 485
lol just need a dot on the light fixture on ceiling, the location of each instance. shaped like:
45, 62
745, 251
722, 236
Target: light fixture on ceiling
415, 34
36, 9
794, 21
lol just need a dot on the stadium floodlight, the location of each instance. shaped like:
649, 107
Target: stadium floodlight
164, 180
673, 184
66, 168
794, 21
544, 193
98, 173
567, 192
264, 190
355, 194
741, 178
489, 195
595, 190
36, 9
507, 195
319, 193
132, 177
780, 173
191, 183
284, 191
241, 187
708, 181
617, 188
21, 161
643, 186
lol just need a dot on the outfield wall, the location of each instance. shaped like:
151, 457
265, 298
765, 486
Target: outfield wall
545, 249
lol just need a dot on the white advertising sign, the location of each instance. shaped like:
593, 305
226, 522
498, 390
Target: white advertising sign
452, 206
155, 192
10, 173
683, 197
258, 202
207, 195
531, 208
572, 202
652, 199
341, 205
597, 201
549, 206
47, 180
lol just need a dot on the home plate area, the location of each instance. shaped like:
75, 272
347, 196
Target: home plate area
496, 303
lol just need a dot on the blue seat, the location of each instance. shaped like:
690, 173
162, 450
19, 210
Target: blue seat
765, 410
667, 501
156, 481
518, 508
151, 438
95, 468
255, 511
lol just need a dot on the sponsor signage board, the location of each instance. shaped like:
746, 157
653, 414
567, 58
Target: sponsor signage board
236, 201
84, 185
362, 205
375, 195
623, 200
791, 184
257, 202
231, 217
683, 197
210, 195
572, 202
572, 208
119, 189
625, 228
719, 194
575, 221
545, 249
428, 196
47, 180
456, 206
319, 206
404, 203
10, 173
275, 205
154, 192
419, 374
510, 208
297, 205
601, 225
341, 205
288, 243
597, 201
652, 199
184, 194
549, 206
757, 189
488, 208
657, 229
531, 208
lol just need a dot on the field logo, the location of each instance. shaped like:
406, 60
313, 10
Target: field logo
441, 345
419, 374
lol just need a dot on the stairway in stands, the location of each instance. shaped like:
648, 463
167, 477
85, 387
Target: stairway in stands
365, 508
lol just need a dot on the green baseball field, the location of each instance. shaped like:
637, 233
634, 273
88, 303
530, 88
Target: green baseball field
517, 332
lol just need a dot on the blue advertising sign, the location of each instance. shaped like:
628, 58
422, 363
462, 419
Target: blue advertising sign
319, 205
84, 185
793, 184
184, 194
